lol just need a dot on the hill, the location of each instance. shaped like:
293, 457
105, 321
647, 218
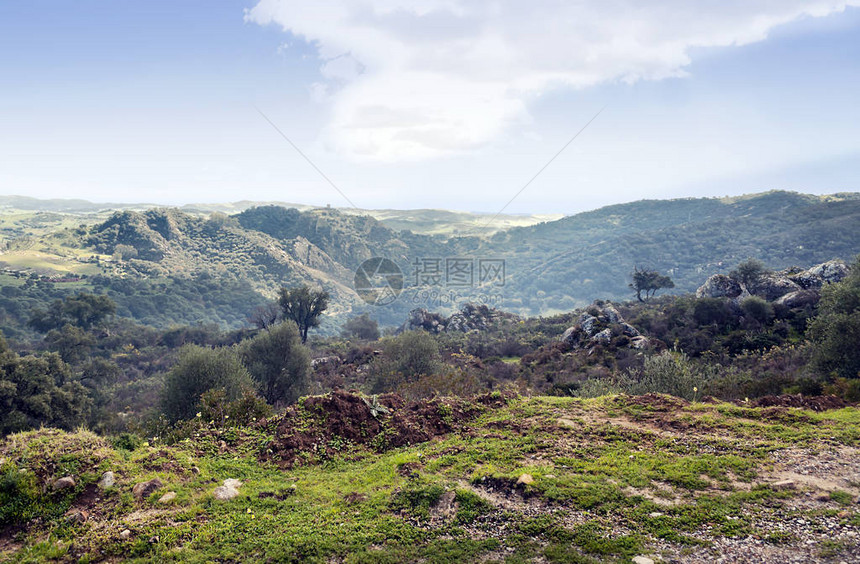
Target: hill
540, 269
495, 478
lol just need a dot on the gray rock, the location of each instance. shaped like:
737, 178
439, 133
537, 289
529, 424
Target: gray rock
225, 493
603, 337
642, 560
64, 483
612, 315
773, 286
800, 298
125, 534
107, 480
588, 323
639, 342
167, 498
831, 271
719, 286
629, 330
569, 334
144, 489
232, 483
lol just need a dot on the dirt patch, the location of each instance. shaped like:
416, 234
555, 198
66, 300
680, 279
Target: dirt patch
321, 426
653, 402
814, 403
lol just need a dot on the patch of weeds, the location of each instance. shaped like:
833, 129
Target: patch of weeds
417, 500
127, 441
470, 506
779, 537
829, 548
842, 497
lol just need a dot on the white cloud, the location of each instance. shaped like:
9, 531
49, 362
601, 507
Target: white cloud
413, 79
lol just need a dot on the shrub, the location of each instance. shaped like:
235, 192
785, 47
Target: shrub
278, 362
670, 372
199, 370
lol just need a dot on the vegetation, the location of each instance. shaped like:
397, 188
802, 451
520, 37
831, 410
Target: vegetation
649, 281
303, 306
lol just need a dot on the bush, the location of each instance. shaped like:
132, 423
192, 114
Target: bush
278, 362
199, 370
670, 372
405, 358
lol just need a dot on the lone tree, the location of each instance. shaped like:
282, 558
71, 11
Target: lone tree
749, 272
304, 306
648, 281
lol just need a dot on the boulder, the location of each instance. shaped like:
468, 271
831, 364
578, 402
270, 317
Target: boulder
773, 286
639, 342
830, 272
63, 483
107, 480
144, 489
719, 286
167, 498
525, 479
77, 516
228, 490
603, 337
801, 298
629, 330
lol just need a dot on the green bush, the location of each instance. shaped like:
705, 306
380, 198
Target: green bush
199, 370
278, 362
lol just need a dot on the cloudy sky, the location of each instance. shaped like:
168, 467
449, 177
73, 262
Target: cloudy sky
428, 103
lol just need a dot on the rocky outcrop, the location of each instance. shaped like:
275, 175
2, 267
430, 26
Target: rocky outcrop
719, 286
602, 324
471, 317
773, 286
787, 287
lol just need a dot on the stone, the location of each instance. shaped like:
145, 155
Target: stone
830, 272
144, 489
801, 298
639, 342
225, 493
603, 337
629, 330
525, 479
232, 483
77, 516
655, 514
719, 286
167, 498
773, 286
64, 483
107, 480
195, 470
125, 534
783, 485
642, 560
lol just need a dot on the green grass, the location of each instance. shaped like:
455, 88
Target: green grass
594, 495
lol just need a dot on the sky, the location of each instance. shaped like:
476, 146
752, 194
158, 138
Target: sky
544, 106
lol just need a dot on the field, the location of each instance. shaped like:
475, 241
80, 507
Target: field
499, 478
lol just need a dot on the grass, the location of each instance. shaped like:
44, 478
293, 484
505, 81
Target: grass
601, 491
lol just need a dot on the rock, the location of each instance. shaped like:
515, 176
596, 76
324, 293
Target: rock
77, 516
639, 342
525, 479
144, 489
772, 286
629, 330
642, 560
588, 323
801, 298
823, 496
783, 485
107, 480
229, 490
332, 361
125, 534
195, 470
612, 315
565, 422
719, 286
603, 337
167, 498
655, 514
568, 335
64, 483
225, 493
830, 272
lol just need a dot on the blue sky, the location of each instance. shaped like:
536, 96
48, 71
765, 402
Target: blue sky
431, 103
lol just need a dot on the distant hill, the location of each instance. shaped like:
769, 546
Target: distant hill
548, 267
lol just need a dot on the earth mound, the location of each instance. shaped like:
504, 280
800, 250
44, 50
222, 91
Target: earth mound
318, 427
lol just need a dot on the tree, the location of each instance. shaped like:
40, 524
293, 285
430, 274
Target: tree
38, 391
405, 358
648, 281
264, 316
835, 331
304, 306
361, 327
82, 310
748, 272
199, 370
278, 362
